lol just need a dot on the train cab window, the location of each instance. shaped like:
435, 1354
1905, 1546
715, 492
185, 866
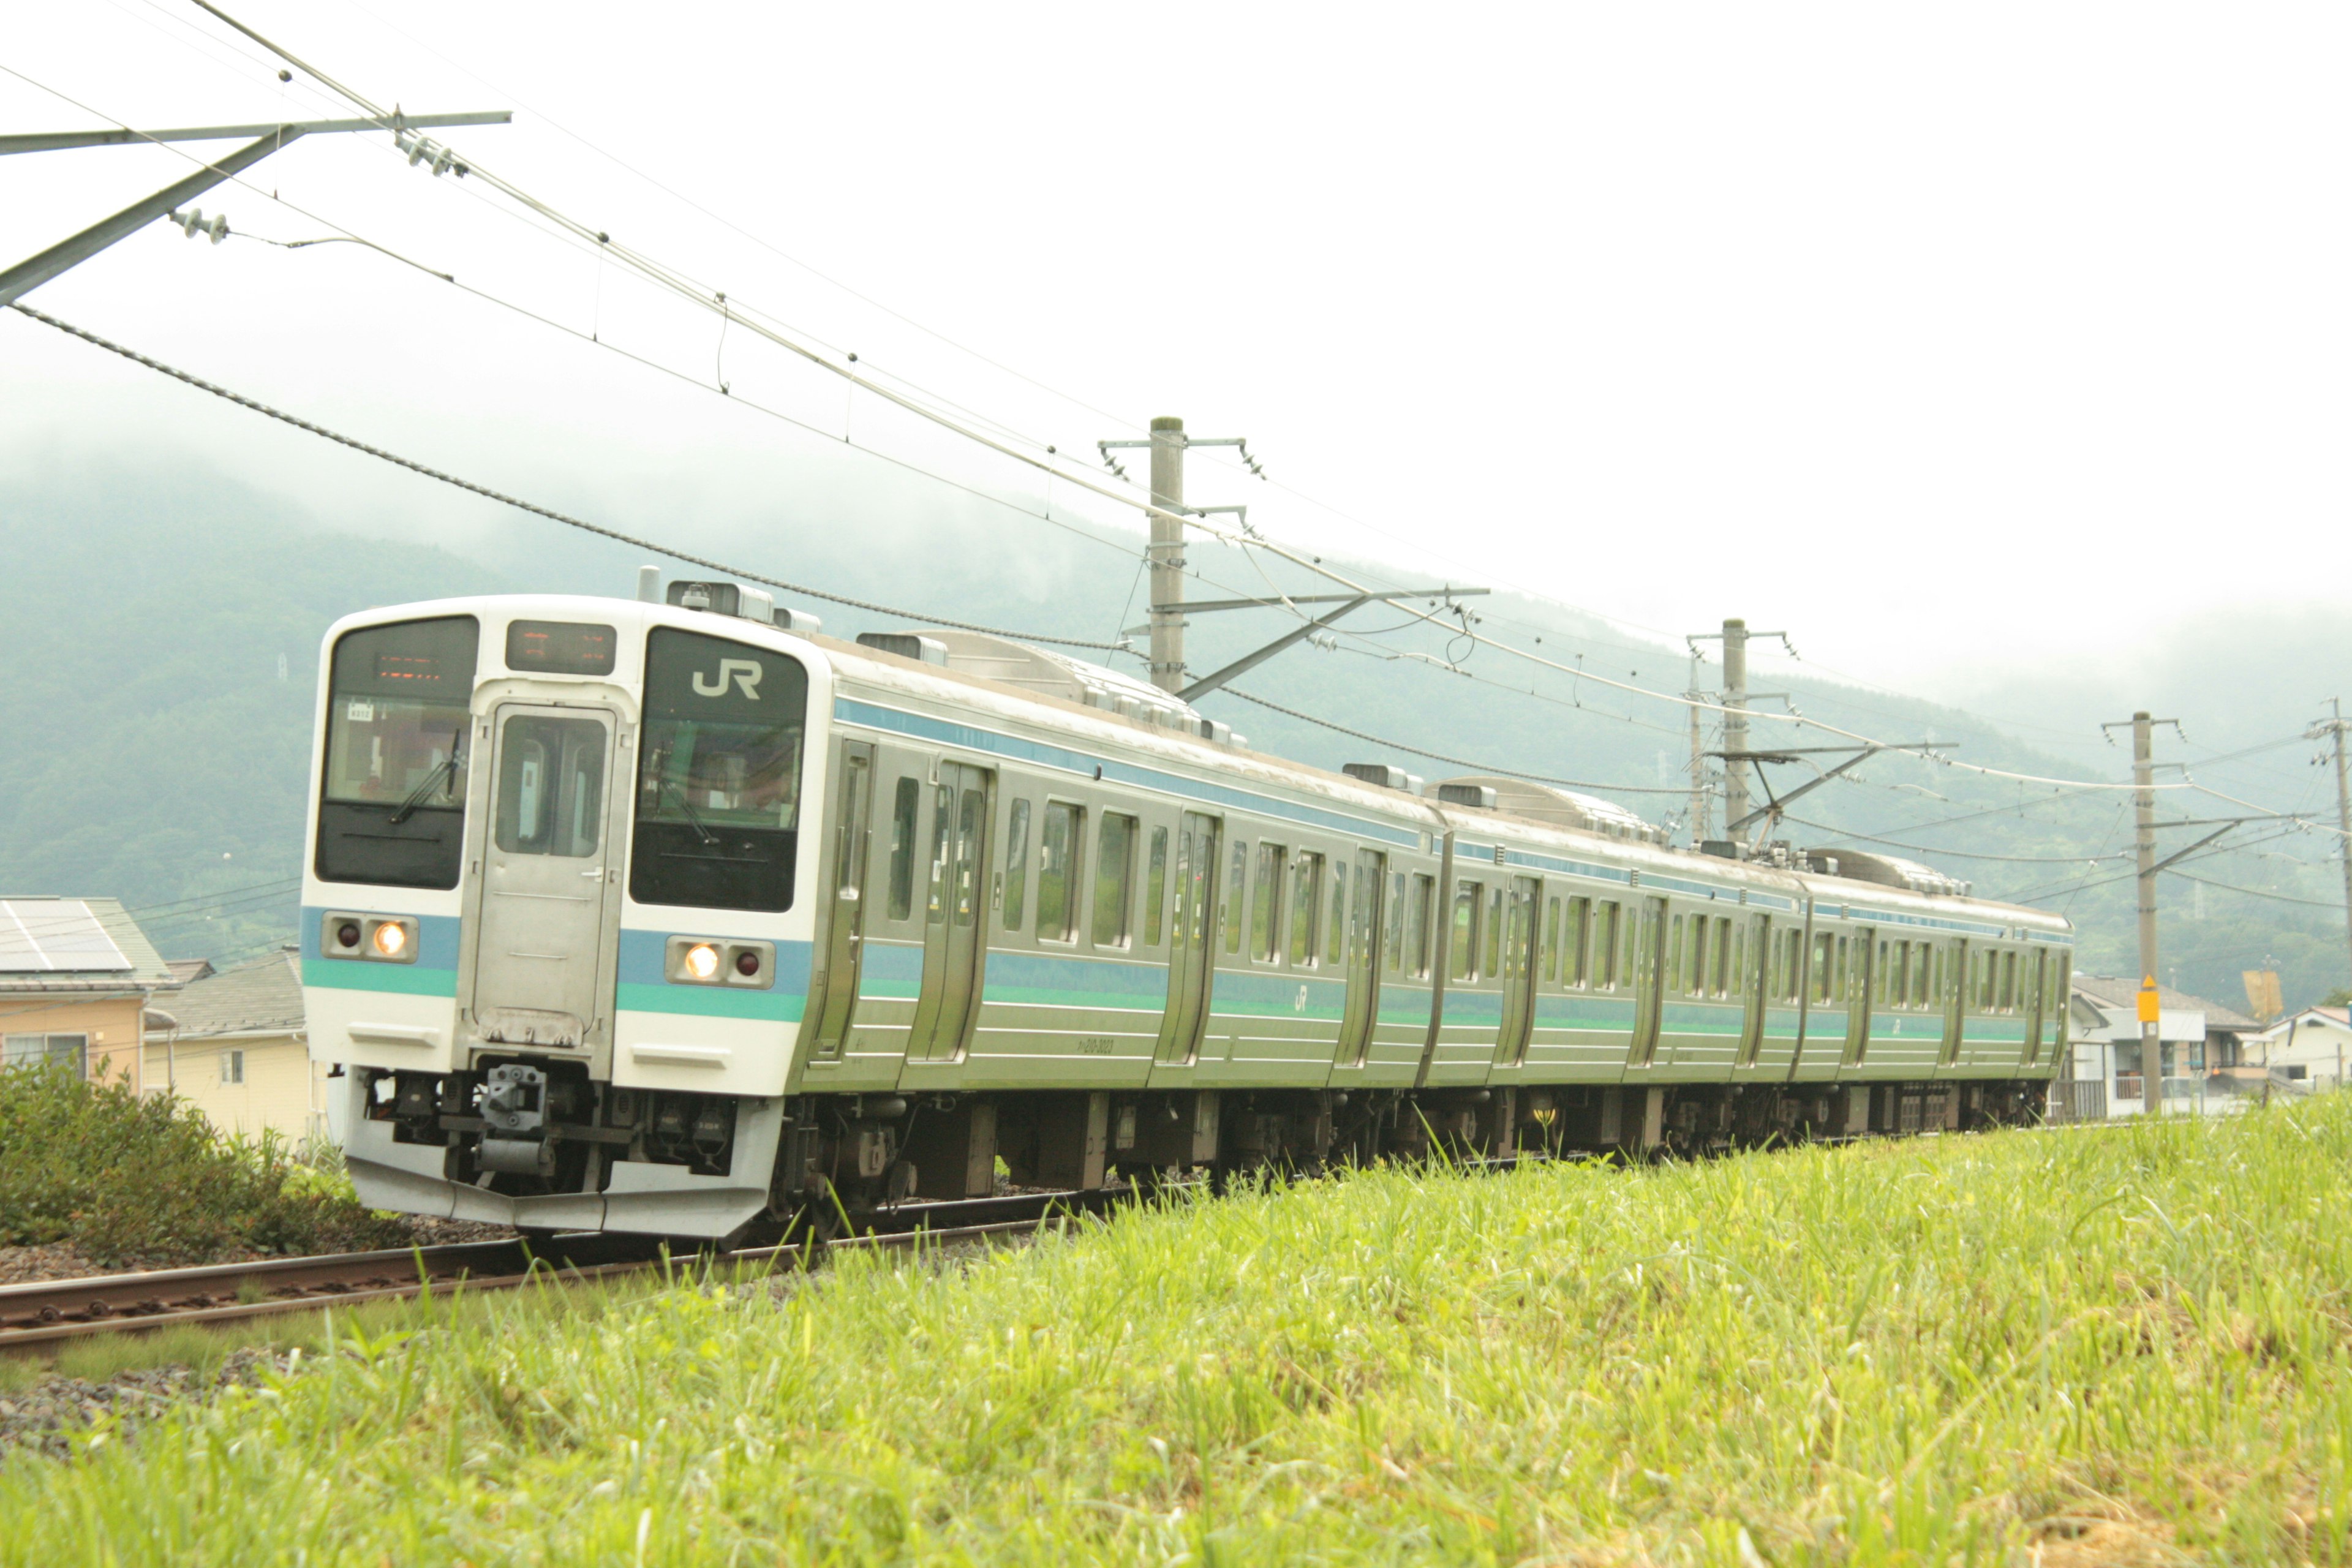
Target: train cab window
1266, 903
904, 803
1155, 886
1417, 910
1604, 946
392, 809
718, 787
1335, 932
1115, 880
1306, 910
1234, 887
1468, 899
1057, 873
1016, 867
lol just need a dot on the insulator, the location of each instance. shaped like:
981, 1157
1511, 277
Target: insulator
218, 229
417, 150
441, 164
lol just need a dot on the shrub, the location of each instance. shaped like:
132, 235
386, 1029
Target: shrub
131, 1178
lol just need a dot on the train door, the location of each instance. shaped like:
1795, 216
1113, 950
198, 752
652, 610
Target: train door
1522, 929
954, 917
2029, 1002
1755, 983
845, 919
539, 931
1188, 941
1649, 983
1860, 977
1956, 999
1364, 917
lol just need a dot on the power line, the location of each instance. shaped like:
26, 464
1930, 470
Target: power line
448, 479
1957, 854
2333, 904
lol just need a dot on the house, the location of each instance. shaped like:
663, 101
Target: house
75, 979
2200, 1047
2312, 1047
233, 1044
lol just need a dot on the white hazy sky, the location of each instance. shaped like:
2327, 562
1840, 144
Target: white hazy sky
1931, 333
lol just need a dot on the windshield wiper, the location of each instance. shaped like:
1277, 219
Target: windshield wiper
692, 821
433, 781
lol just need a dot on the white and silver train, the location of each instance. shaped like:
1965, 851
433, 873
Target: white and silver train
680, 918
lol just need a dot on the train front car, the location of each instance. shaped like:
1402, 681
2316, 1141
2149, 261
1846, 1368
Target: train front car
550, 938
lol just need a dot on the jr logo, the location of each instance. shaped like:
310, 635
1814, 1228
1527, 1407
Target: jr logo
744, 672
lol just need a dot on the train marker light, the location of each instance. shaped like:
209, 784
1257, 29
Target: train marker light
702, 960
747, 963
348, 935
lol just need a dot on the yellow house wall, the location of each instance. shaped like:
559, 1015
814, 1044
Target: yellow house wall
283, 1089
110, 1022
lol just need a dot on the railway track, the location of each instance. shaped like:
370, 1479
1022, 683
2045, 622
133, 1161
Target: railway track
40, 1315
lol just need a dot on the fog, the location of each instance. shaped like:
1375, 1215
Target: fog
1991, 352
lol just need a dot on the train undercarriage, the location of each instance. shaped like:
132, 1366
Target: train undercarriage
526, 1138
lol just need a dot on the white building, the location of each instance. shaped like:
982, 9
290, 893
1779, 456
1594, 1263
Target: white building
2199, 1048
2313, 1046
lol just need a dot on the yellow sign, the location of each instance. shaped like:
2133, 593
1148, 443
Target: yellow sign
2263, 997
2148, 1011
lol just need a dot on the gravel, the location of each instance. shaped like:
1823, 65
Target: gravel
47, 1416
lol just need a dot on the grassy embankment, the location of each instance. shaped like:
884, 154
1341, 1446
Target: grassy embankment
2111, 1345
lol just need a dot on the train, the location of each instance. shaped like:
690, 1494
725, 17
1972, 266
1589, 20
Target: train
675, 916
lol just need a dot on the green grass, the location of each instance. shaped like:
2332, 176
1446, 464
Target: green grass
2099, 1346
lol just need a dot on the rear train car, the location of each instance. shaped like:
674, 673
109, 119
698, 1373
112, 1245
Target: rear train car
672, 918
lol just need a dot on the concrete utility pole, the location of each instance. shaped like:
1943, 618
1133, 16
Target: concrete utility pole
2144, 848
1168, 553
1698, 789
1735, 719
2343, 815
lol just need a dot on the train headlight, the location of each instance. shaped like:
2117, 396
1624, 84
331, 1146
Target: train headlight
374, 938
742, 963
391, 939
702, 960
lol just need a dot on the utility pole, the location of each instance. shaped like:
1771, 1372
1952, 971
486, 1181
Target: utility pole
1735, 718
1698, 789
2335, 726
1735, 636
2151, 1046
1169, 444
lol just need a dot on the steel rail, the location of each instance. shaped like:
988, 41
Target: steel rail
40, 1314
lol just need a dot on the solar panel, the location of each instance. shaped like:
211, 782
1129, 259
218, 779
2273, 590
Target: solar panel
49, 936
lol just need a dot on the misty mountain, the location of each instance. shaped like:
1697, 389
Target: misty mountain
163, 629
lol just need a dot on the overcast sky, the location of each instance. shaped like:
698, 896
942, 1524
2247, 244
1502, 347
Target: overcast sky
1932, 334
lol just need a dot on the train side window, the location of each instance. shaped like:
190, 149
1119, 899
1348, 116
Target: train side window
1396, 922
1550, 972
1416, 924
1115, 880
1057, 873
1016, 867
935, 907
1575, 967
903, 806
1678, 958
1723, 967
1335, 933
1306, 910
1823, 976
1494, 943
1738, 970
2009, 981
1465, 946
1266, 903
1841, 994
1923, 959
1605, 947
1235, 886
1155, 886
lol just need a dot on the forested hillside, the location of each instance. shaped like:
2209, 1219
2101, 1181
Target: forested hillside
162, 641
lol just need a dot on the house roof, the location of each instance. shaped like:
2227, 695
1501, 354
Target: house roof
184, 970
52, 944
2112, 991
261, 995
2306, 1016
